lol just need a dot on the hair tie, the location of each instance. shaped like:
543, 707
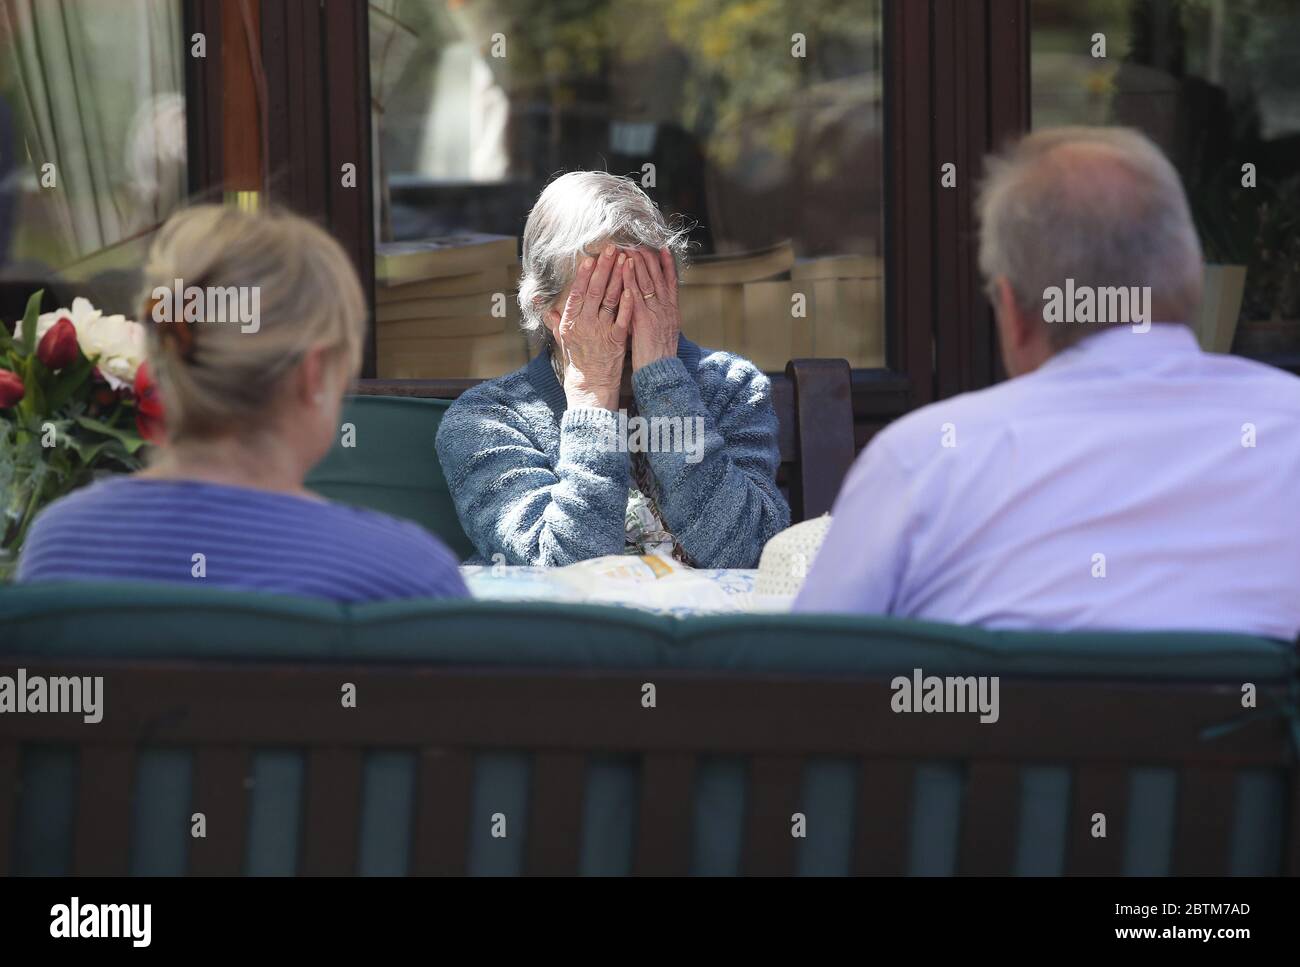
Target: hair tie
173, 332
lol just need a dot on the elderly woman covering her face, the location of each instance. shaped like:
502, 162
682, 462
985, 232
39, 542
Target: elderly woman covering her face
544, 466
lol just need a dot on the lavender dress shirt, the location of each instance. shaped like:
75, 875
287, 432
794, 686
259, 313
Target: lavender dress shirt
1131, 482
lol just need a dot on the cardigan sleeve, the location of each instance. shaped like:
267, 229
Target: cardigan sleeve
719, 495
511, 501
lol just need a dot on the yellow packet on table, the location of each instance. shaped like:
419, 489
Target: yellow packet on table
621, 567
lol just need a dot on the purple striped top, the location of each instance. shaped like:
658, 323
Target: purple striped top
139, 529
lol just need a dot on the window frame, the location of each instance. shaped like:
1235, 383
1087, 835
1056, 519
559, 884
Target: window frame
956, 84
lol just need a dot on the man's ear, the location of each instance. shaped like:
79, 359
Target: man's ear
1015, 326
552, 318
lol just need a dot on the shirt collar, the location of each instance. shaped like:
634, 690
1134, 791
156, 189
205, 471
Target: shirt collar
542, 375
1121, 344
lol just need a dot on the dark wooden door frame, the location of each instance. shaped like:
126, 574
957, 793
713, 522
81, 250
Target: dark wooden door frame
203, 102
957, 87
317, 60
302, 110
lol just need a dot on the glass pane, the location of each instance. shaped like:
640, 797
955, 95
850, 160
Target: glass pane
760, 122
1217, 85
92, 144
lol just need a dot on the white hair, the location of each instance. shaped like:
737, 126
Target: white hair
575, 215
1099, 205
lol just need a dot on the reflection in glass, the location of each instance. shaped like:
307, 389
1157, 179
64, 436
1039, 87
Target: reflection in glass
760, 123
1217, 85
92, 140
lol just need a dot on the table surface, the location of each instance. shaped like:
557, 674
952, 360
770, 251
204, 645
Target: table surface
698, 591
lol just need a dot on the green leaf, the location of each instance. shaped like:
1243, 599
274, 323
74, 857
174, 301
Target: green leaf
33, 403
27, 343
68, 381
88, 451
130, 440
97, 455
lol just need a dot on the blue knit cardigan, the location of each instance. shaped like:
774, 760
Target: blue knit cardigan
540, 483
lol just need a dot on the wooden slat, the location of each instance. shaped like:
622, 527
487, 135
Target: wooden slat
664, 820
8, 802
1097, 789
345, 36
742, 714
990, 817
775, 787
950, 42
823, 415
221, 793
433, 389
555, 814
333, 812
911, 182
203, 98
880, 843
443, 812
102, 843
1206, 800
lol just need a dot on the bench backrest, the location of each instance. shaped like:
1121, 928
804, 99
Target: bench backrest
578, 776
386, 461
472, 714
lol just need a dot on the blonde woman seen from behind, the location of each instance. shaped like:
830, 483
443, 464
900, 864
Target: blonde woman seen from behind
252, 394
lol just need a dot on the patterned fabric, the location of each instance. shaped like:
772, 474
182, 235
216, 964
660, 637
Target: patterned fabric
709, 590
789, 555
644, 526
537, 483
646, 531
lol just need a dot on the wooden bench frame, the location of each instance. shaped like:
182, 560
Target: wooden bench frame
224, 711
814, 410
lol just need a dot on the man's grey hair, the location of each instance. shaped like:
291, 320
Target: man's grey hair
1099, 205
575, 215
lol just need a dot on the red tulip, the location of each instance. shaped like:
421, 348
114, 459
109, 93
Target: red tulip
12, 389
58, 347
148, 405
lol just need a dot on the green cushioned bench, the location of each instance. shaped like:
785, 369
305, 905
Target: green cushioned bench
390, 464
530, 718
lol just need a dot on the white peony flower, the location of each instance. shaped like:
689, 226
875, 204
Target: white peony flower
118, 371
115, 344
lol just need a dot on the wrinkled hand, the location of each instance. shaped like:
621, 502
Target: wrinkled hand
656, 322
593, 330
